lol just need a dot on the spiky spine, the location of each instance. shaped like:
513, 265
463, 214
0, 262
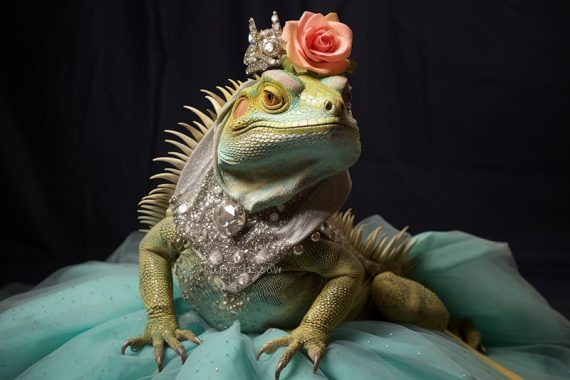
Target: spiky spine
377, 246
154, 206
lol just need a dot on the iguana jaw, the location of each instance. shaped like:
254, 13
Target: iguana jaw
323, 124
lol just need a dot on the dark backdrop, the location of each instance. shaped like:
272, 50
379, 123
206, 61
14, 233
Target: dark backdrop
464, 110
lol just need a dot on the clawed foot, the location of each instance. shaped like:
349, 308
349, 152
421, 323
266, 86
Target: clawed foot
465, 330
309, 339
158, 331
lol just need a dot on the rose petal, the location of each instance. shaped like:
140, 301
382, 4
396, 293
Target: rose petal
313, 51
289, 31
342, 52
311, 19
302, 62
325, 41
342, 29
330, 68
292, 48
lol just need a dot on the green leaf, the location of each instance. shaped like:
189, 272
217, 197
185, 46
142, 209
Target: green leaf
287, 65
352, 66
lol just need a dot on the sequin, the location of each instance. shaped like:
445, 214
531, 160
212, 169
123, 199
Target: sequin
262, 256
216, 258
243, 278
298, 249
238, 258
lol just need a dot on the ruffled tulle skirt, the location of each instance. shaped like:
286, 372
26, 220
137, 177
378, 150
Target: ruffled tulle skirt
72, 325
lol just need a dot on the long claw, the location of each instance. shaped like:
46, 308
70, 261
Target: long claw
279, 368
158, 344
159, 363
182, 354
264, 350
125, 345
196, 340
316, 361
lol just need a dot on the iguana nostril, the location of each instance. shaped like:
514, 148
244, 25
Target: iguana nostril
329, 105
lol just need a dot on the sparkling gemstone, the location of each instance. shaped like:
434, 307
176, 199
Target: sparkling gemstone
274, 18
261, 256
268, 47
182, 208
243, 278
238, 258
216, 258
274, 217
231, 218
217, 281
316, 236
218, 190
250, 39
298, 249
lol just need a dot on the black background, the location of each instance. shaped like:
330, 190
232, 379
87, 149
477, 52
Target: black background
463, 106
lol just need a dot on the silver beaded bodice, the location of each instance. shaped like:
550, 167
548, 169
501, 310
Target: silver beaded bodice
237, 247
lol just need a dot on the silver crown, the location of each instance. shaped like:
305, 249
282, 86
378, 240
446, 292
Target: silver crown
266, 48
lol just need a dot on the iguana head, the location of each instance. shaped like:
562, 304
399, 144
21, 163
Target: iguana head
284, 134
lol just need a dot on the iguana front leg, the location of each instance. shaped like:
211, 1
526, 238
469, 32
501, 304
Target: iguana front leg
157, 251
330, 308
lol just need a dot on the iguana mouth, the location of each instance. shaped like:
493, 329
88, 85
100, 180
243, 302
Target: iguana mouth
300, 126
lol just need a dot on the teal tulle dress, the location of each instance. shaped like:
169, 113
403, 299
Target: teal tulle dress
72, 325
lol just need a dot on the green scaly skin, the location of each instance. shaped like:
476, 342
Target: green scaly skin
267, 153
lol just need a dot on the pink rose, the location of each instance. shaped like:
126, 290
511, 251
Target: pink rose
318, 43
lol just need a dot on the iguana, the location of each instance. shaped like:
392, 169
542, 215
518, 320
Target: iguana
249, 223
301, 127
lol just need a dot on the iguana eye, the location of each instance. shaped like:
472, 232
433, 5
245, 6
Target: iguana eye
270, 99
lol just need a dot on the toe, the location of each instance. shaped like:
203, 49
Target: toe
176, 346
158, 344
272, 345
134, 343
187, 335
293, 348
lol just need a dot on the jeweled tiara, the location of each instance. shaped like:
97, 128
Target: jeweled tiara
266, 48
